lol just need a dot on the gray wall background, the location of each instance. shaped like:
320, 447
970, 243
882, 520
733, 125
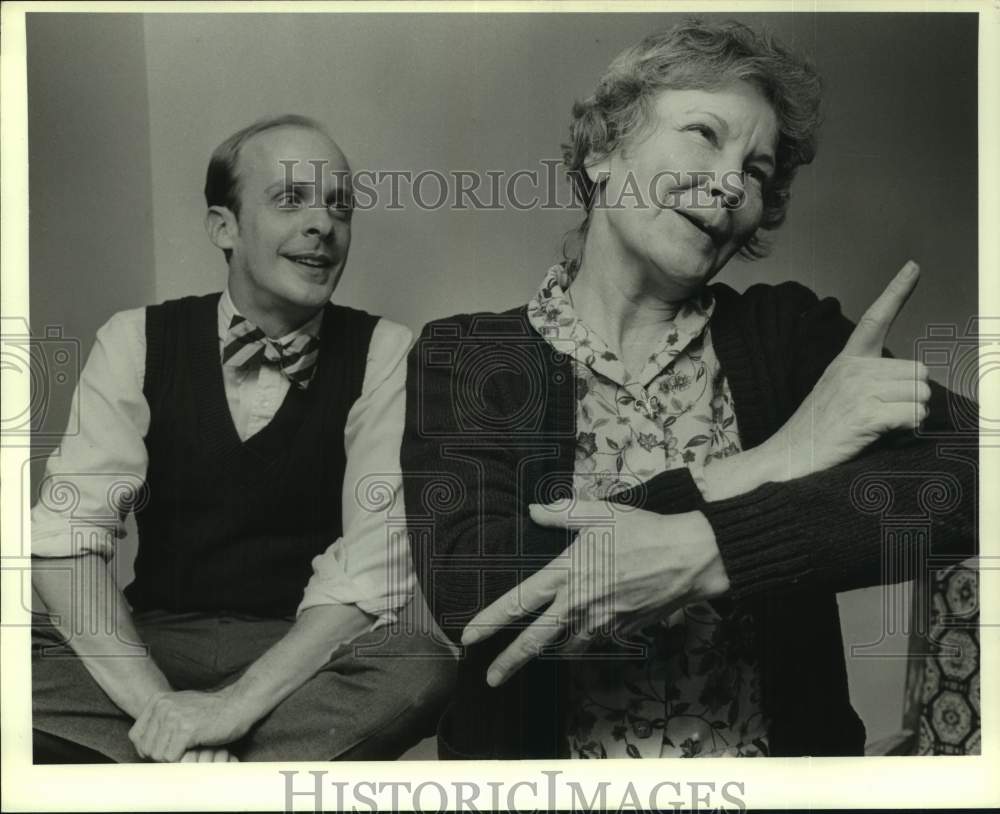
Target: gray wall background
124, 111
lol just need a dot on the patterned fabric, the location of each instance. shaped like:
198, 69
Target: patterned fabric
295, 355
697, 690
942, 683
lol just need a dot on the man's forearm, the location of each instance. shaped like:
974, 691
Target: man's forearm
89, 610
317, 633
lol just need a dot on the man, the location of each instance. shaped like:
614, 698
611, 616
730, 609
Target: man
250, 418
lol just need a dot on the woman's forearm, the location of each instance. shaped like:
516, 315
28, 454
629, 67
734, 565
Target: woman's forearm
828, 529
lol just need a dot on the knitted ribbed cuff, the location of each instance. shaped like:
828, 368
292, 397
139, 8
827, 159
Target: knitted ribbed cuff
670, 492
759, 535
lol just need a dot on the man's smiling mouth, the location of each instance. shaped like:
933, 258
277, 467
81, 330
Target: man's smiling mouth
311, 260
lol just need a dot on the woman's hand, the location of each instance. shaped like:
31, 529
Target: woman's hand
860, 397
626, 568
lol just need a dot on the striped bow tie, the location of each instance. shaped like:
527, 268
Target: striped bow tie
246, 344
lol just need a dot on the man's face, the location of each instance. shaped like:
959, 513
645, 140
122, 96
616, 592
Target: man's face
289, 242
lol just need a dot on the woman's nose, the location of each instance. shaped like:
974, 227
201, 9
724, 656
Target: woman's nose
728, 187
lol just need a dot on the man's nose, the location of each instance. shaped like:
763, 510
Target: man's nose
318, 222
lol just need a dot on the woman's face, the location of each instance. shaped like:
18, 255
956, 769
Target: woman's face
683, 197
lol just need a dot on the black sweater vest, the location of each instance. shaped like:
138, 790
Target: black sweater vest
228, 525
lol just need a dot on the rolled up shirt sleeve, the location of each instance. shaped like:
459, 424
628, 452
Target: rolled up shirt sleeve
369, 566
94, 477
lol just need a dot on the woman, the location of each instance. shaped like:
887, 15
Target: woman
713, 444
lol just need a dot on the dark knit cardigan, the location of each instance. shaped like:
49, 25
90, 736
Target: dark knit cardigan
491, 427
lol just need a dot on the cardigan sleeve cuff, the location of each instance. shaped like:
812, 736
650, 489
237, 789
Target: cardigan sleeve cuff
670, 492
760, 538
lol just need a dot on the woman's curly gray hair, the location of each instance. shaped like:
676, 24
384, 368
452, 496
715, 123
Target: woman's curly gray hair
699, 55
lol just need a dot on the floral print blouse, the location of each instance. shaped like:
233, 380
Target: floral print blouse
696, 692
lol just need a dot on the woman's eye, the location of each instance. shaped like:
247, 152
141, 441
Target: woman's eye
757, 174
707, 133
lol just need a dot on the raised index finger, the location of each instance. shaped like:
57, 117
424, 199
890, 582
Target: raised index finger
869, 336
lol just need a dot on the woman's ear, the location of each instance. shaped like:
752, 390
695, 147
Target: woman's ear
222, 227
598, 168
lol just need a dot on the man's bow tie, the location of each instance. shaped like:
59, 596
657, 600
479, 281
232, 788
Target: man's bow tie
247, 345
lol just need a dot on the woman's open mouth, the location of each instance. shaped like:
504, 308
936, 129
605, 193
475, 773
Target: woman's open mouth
712, 234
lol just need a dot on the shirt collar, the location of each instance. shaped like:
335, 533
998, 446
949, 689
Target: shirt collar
551, 313
227, 310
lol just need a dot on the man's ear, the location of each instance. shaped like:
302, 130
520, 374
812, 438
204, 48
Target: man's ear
222, 227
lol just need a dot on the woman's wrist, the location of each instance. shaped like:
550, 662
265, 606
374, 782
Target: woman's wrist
712, 578
740, 473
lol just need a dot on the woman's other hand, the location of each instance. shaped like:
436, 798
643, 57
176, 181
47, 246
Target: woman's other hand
627, 567
860, 397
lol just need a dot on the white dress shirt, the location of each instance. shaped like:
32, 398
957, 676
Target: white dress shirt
369, 566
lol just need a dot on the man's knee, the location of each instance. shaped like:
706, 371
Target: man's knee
431, 683
418, 676
396, 727
428, 687
359, 708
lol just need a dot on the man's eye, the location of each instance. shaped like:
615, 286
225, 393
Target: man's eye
342, 209
289, 200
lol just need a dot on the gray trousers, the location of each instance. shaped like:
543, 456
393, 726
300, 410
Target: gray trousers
373, 700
